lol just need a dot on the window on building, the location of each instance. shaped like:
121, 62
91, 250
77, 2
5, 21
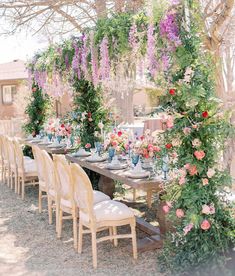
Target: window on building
7, 93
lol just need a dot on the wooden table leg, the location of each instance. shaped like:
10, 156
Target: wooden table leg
107, 186
161, 217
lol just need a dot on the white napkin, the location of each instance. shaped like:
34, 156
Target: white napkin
115, 162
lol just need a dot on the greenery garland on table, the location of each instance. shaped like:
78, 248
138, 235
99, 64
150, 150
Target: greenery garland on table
37, 110
196, 128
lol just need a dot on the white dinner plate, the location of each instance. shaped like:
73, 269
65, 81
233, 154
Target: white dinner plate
116, 167
81, 154
96, 159
138, 175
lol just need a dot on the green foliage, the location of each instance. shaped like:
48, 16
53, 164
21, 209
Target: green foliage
89, 107
197, 252
37, 111
116, 29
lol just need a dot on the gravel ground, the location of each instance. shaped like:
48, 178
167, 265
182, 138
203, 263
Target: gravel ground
28, 245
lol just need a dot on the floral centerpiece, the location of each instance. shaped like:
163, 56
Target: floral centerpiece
118, 141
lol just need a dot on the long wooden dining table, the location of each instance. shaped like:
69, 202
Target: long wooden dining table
107, 185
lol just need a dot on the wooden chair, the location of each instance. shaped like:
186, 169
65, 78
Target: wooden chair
107, 214
26, 170
66, 203
1, 157
12, 163
51, 184
41, 176
5, 163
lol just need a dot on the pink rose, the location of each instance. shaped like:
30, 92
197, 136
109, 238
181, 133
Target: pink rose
205, 209
170, 122
187, 130
112, 136
194, 126
166, 209
188, 228
199, 154
210, 173
205, 181
205, 225
156, 149
114, 143
182, 180
88, 146
187, 166
179, 213
182, 172
193, 170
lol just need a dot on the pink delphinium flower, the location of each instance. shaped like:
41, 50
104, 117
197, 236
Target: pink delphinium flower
188, 228
199, 154
205, 225
179, 213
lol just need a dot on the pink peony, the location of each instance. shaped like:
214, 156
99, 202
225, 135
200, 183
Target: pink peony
166, 209
182, 180
205, 209
193, 170
199, 154
187, 130
188, 228
179, 213
210, 173
170, 122
205, 225
205, 181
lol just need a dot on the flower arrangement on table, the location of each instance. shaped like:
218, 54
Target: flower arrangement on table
117, 141
51, 126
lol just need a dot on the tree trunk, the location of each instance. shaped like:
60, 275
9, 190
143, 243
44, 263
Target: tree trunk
119, 5
134, 5
101, 9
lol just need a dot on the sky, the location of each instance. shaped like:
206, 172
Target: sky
20, 46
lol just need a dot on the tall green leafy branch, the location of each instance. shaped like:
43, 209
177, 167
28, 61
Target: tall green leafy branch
37, 111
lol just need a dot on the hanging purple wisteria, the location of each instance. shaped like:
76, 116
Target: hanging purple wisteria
133, 40
152, 60
76, 61
84, 54
169, 28
104, 59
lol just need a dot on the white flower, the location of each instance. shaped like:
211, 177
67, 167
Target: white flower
210, 173
196, 143
100, 125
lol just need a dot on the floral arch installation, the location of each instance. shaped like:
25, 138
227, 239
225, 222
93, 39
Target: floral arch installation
167, 53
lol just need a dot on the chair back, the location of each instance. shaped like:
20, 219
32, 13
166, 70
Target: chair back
37, 153
11, 152
19, 157
63, 178
4, 148
83, 192
49, 171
